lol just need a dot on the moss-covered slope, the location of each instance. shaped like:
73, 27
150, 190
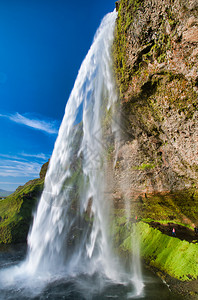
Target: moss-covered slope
177, 258
172, 258
16, 210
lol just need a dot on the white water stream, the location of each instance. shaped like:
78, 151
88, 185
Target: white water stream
63, 242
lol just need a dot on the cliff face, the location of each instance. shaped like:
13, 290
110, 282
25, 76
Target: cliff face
156, 67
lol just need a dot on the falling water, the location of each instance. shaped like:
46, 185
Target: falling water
74, 181
70, 232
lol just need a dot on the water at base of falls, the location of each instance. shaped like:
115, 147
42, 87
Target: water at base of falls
82, 287
69, 245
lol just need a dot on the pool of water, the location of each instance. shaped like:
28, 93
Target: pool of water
82, 287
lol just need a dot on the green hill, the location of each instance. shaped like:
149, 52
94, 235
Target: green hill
16, 210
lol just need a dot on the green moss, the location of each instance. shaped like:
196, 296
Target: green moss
145, 166
169, 254
155, 49
178, 206
151, 95
44, 170
172, 19
127, 10
109, 151
16, 212
177, 258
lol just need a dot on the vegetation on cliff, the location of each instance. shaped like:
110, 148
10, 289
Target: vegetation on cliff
156, 61
169, 254
16, 210
156, 172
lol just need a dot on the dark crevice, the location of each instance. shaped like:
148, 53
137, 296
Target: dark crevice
139, 58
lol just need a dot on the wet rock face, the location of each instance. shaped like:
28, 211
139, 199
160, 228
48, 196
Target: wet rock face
156, 67
161, 35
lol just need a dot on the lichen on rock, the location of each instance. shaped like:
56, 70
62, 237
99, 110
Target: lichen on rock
155, 58
156, 69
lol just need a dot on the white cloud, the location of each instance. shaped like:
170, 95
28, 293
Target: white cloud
39, 155
9, 156
20, 165
16, 168
46, 126
24, 156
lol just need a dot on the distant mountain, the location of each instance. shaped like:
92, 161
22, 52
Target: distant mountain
4, 193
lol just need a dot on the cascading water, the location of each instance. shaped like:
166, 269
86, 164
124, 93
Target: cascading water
55, 221
70, 232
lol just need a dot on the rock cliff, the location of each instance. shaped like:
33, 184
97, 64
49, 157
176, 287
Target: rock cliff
156, 67
155, 176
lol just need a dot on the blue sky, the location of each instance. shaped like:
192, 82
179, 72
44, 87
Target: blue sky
42, 45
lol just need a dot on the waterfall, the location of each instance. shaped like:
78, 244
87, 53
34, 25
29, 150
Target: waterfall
78, 157
70, 231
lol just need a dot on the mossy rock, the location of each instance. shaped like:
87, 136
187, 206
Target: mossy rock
175, 257
43, 170
16, 212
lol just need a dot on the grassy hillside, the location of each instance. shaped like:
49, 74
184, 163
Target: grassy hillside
175, 257
16, 210
175, 260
